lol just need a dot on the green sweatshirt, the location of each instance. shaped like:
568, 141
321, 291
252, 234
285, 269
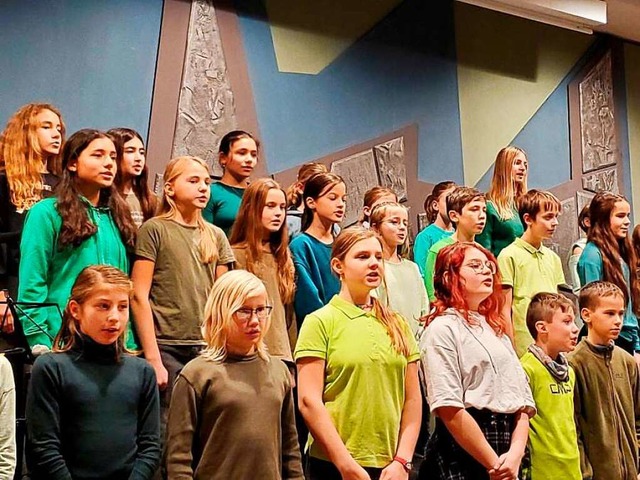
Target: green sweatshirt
48, 273
607, 411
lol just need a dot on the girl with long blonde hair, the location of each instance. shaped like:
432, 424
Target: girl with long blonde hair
91, 391
348, 352
232, 412
402, 289
509, 182
30, 147
178, 257
260, 245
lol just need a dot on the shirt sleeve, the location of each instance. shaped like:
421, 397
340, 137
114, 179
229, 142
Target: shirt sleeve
181, 430
429, 272
43, 419
148, 241
313, 339
291, 458
590, 266
441, 367
225, 253
39, 238
559, 272
307, 297
420, 251
506, 264
148, 455
7, 420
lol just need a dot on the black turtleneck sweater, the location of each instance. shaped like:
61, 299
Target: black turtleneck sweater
93, 414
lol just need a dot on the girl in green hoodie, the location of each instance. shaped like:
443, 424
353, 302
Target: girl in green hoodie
85, 223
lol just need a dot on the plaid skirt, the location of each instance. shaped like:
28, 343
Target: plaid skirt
446, 460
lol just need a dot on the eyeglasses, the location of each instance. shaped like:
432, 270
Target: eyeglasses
478, 266
245, 314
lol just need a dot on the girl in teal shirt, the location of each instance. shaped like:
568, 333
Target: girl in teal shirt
609, 255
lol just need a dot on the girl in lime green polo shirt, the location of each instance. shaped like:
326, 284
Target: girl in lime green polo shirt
357, 373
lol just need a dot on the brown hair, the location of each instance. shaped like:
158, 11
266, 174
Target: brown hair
462, 196
535, 201
504, 192
316, 187
542, 308
306, 171
148, 200
22, 157
76, 224
372, 195
88, 281
592, 292
396, 326
434, 196
613, 249
248, 230
208, 245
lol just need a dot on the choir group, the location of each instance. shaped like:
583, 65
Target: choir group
237, 330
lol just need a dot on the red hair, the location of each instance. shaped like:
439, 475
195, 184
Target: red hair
450, 290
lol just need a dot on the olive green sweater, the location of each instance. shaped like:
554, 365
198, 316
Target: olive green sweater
607, 410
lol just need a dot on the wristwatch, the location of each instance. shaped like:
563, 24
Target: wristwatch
406, 464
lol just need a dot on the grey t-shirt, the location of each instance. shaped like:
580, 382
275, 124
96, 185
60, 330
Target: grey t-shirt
181, 282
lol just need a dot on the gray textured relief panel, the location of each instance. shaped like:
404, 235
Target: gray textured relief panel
206, 110
597, 122
566, 233
359, 174
606, 180
391, 166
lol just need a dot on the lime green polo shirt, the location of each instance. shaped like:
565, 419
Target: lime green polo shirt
553, 440
364, 385
528, 271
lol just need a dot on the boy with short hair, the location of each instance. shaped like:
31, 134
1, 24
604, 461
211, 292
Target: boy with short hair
606, 397
553, 441
467, 210
527, 266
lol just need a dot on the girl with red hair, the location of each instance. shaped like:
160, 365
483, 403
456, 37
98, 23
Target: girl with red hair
475, 384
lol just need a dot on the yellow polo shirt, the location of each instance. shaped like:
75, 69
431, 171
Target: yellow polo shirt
364, 385
528, 271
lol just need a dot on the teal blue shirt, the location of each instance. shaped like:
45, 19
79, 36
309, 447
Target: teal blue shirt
47, 273
315, 282
428, 237
590, 269
499, 233
223, 206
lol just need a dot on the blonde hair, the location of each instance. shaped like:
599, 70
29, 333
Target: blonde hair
378, 215
395, 325
308, 170
248, 230
208, 245
504, 192
88, 281
22, 157
227, 296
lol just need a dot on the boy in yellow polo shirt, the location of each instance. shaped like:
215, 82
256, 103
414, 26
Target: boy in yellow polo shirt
527, 266
553, 439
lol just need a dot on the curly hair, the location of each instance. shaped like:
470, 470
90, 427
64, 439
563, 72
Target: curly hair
22, 157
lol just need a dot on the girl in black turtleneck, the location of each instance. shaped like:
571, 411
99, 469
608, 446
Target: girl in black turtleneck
92, 409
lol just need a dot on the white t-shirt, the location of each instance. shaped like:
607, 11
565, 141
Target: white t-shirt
469, 366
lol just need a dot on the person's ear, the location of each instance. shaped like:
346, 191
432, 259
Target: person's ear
310, 203
435, 206
454, 216
366, 210
337, 267
74, 308
72, 166
222, 159
528, 221
541, 326
585, 314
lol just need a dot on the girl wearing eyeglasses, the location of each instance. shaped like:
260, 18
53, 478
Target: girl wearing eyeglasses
475, 384
357, 374
403, 289
231, 413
